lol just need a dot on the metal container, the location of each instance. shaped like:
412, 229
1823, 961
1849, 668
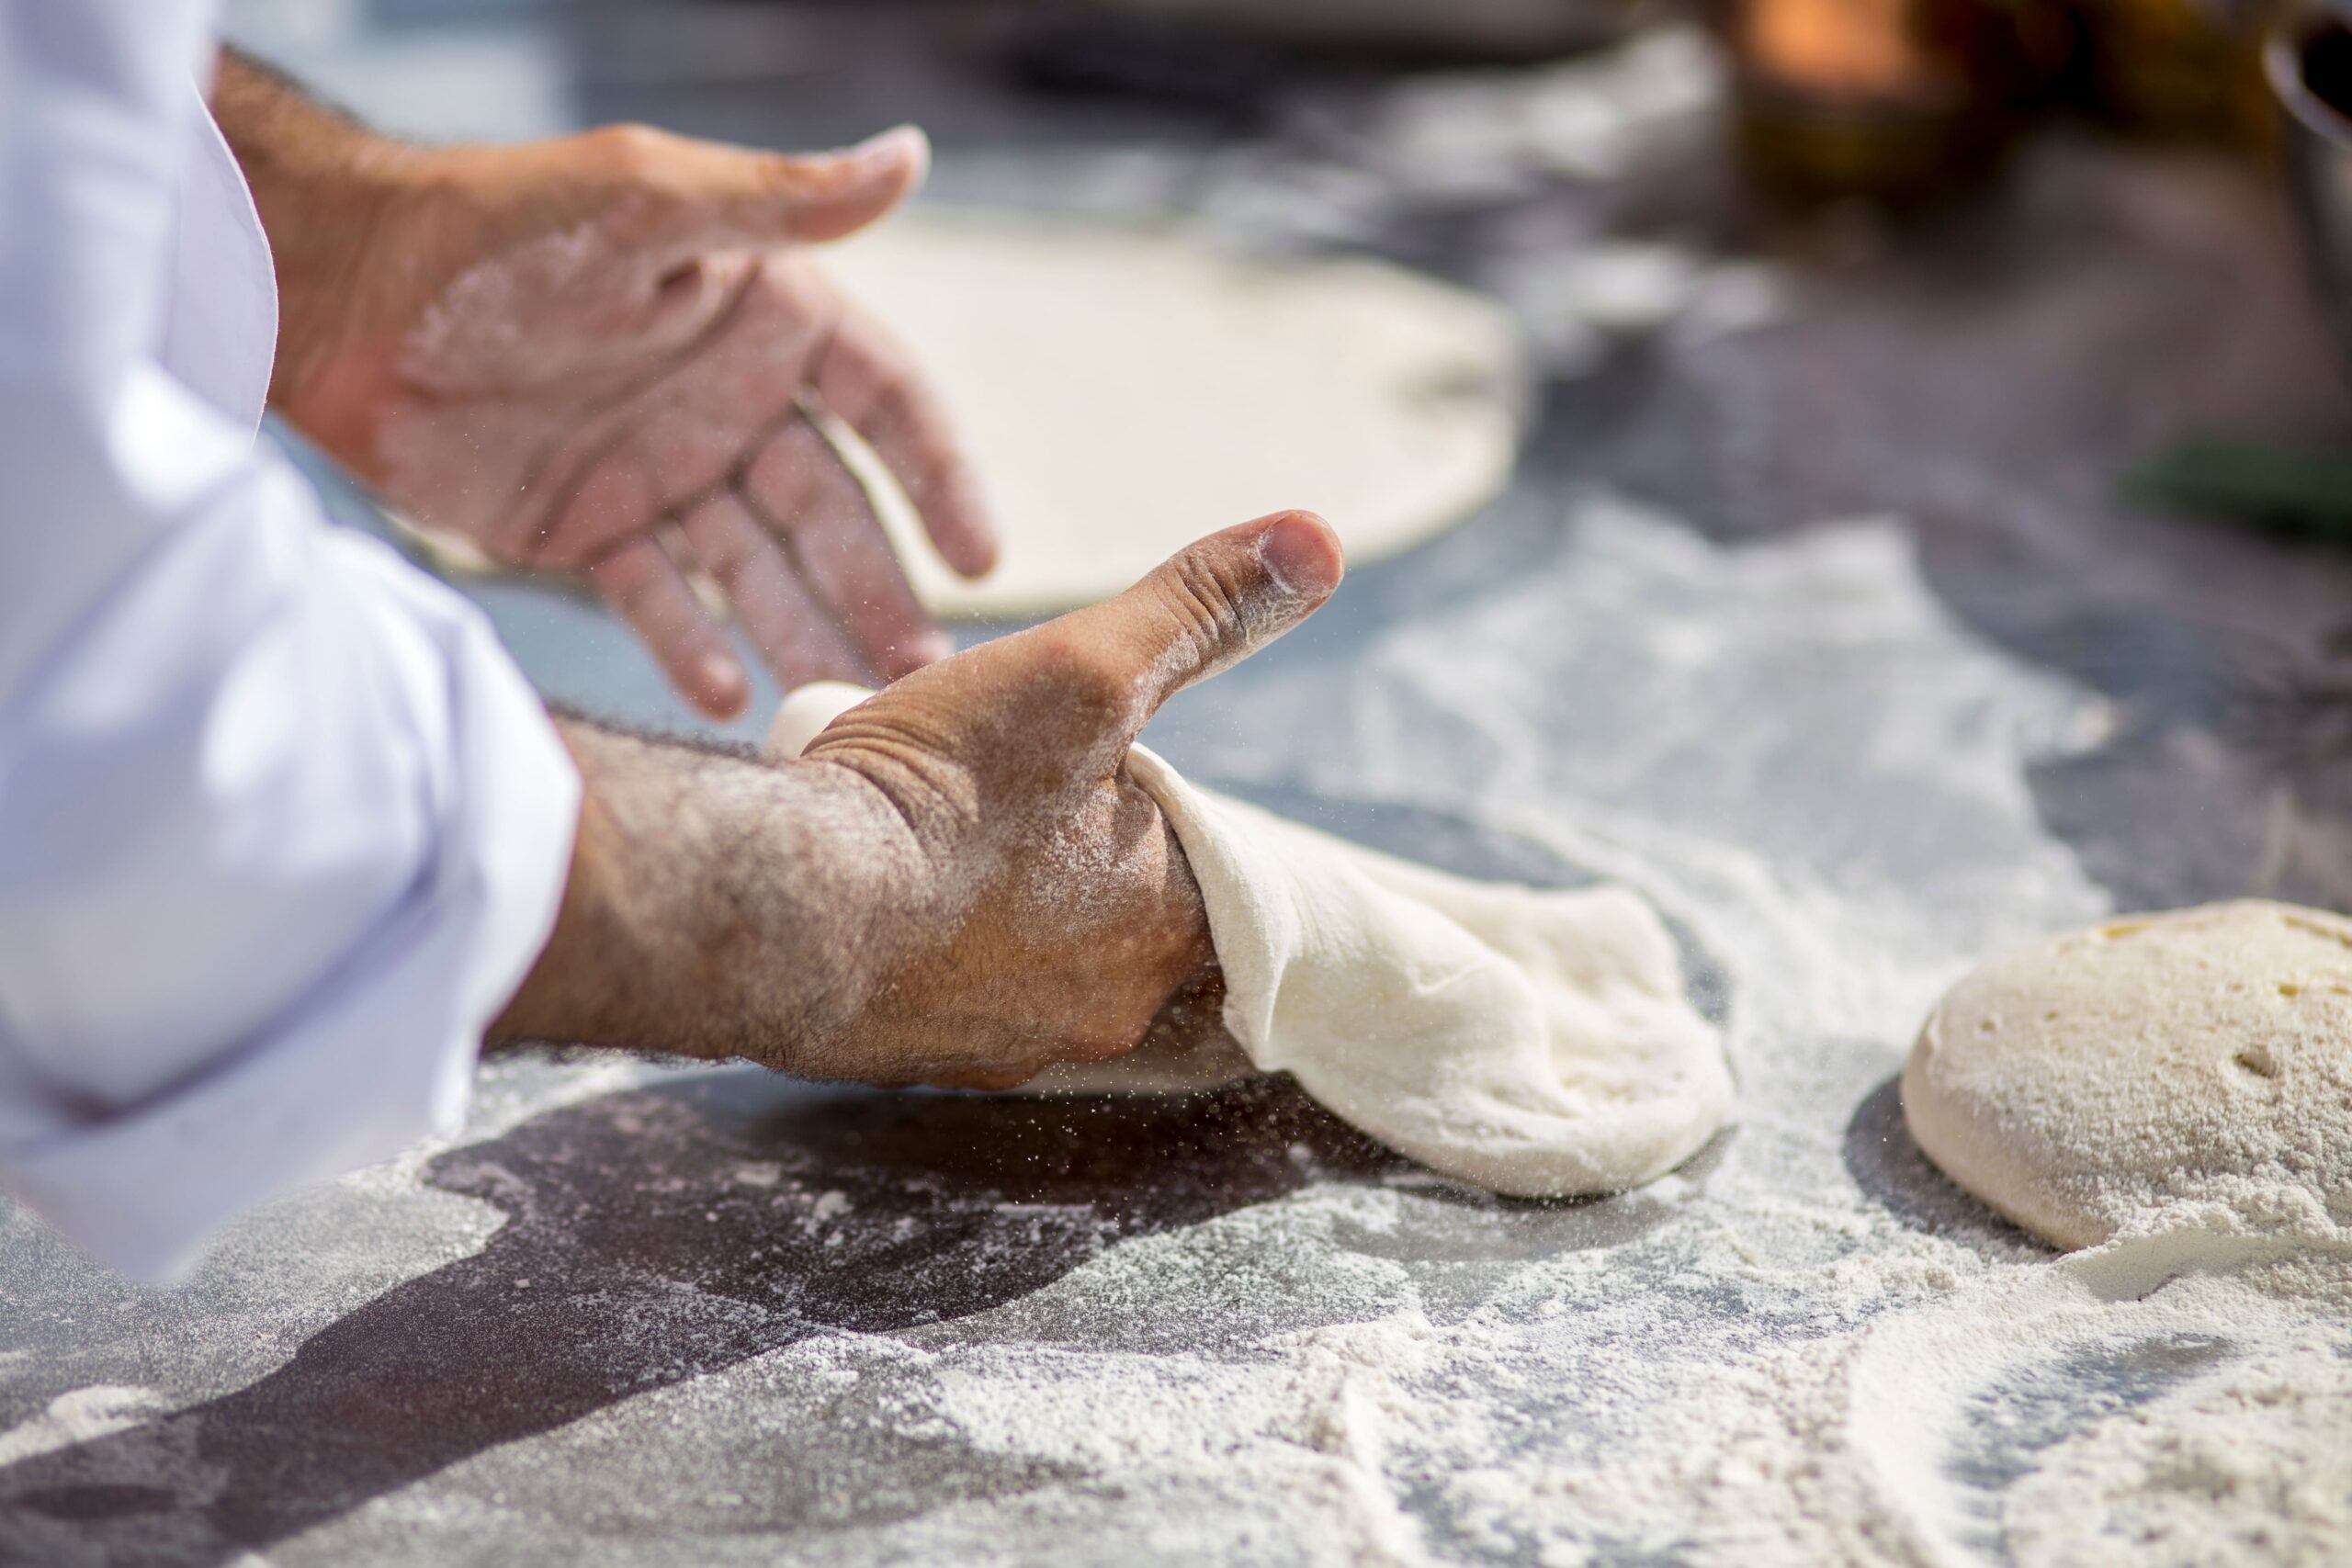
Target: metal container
2308, 59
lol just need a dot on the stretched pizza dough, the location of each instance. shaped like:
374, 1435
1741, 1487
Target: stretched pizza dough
1533, 1042
2196, 1064
1125, 392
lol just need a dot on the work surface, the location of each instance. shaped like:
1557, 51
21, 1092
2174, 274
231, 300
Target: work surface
1819, 627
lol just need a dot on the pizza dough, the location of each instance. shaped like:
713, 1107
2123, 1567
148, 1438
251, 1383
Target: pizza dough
2193, 1067
1125, 392
1535, 1042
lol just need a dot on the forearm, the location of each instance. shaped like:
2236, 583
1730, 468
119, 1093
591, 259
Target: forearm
717, 906
324, 186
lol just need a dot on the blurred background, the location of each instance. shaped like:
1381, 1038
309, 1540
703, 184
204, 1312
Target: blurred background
2058, 283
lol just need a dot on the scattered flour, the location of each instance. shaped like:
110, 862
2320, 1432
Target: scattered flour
2027, 1414
1804, 1349
1778, 1373
77, 1416
2253, 1465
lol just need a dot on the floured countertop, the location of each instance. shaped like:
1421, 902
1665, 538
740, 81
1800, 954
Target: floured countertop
1816, 625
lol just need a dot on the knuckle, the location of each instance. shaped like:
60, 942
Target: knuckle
790, 471
1118, 1022
889, 411
628, 149
791, 178
728, 558
1208, 602
636, 601
626, 592
796, 288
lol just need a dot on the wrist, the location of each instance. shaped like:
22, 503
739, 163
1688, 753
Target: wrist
325, 223
715, 907
329, 191
344, 247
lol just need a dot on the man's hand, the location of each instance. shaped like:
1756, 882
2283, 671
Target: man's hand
958, 884
601, 354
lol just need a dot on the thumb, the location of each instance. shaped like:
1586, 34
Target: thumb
728, 197
1211, 606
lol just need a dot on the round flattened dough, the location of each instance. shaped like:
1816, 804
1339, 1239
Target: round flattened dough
2084, 1085
1126, 393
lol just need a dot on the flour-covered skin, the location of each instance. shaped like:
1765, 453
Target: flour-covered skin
958, 883
600, 354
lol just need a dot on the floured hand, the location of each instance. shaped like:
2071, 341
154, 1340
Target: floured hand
1055, 917
600, 354
958, 882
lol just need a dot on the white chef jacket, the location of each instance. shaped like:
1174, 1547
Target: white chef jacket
281, 827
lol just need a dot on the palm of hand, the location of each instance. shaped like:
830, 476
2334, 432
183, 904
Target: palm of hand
622, 383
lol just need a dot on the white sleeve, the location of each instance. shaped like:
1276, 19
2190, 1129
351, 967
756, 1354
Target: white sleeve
281, 828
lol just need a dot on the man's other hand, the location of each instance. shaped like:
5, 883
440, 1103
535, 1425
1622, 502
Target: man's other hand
600, 354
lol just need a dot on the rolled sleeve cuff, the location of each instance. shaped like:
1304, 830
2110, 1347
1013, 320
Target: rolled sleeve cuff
381, 1052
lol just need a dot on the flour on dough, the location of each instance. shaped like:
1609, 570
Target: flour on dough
1535, 1042
2191, 1068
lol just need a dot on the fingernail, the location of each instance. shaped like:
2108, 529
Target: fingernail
1302, 554
722, 681
898, 141
974, 499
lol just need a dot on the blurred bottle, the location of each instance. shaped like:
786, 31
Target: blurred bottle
1900, 103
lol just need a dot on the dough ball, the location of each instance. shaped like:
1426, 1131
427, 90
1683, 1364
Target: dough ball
2199, 1059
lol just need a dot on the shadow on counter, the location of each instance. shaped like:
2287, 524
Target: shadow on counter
657, 1236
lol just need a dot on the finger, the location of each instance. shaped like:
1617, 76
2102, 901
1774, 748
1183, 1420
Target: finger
868, 381
717, 197
799, 483
591, 509
644, 586
709, 421
1210, 605
795, 633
